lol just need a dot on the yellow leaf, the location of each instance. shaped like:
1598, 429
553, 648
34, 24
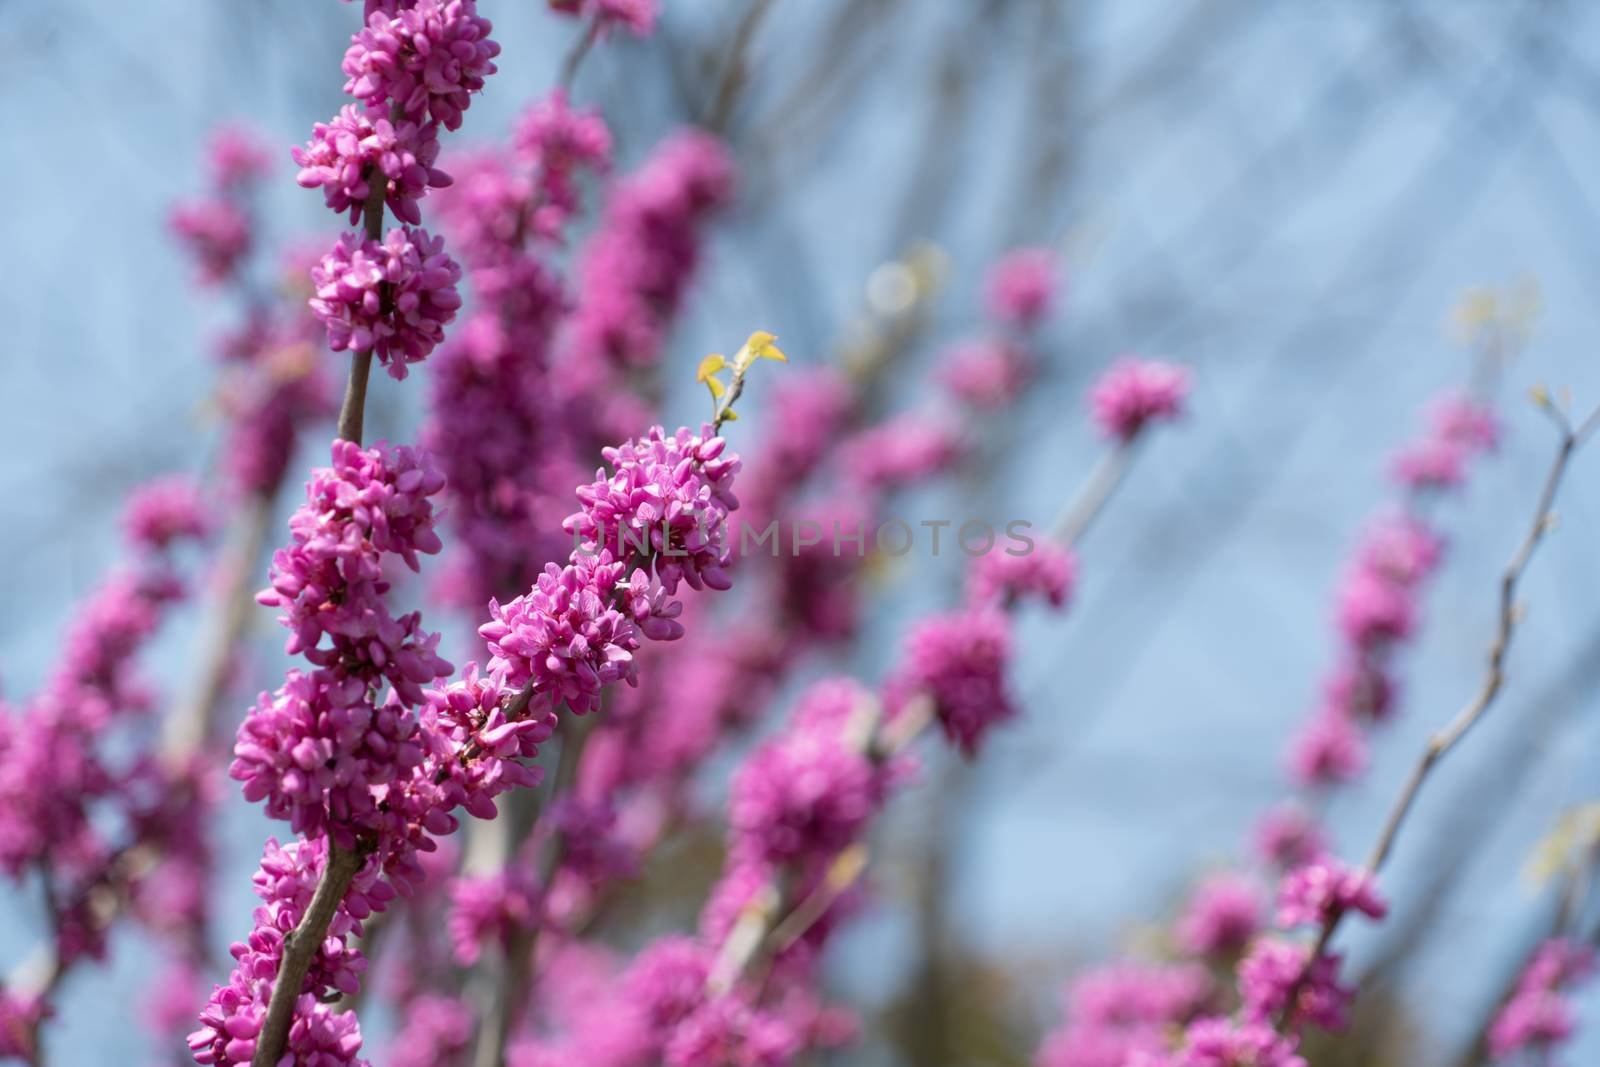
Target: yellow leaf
715, 385
759, 346
730, 416
763, 345
709, 366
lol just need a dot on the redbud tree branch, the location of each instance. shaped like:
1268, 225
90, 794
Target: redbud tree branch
1443, 741
342, 864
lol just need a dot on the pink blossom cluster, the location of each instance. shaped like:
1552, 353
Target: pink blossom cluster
421, 58
1132, 393
958, 661
413, 67
1221, 917
234, 1014
1119, 1013
1049, 571
356, 148
666, 502
1461, 427
1313, 894
659, 1009
1378, 600
1021, 287
633, 271
54, 772
903, 449
215, 225
636, 16
807, 794
1539, 1016
392, 298
81, 788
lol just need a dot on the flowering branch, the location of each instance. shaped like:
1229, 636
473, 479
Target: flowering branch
1443, 741
299, 948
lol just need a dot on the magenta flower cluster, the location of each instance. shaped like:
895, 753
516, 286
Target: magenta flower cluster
1021, 287
1122, 1012
1539, 1017
355, 148
1377, 604
632, 273
233, 1017
808, 793
1132, 393
392, 298
424, 59
413, 67
958, 661
667, 503
216, 226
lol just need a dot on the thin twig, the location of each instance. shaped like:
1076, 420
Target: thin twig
1102, 483
574, 59
189, 729
736, 73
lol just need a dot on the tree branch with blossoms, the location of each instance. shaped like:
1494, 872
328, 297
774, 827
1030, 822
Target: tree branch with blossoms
1285, 986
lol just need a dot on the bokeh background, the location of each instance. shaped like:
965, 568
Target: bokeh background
1288, 197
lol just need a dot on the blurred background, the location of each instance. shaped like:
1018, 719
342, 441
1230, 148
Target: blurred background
1289, 198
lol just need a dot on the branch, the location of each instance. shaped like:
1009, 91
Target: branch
299, 948
1446, 739
1108, 474
342, 864
500, 1015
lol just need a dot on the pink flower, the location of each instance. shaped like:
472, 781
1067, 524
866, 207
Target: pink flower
238, 157
489, 908
958, 661
329, 581
565, 635
392, 298
217, 232
1021, 285
667, 504
164, 511
1329, 749
1118, 1013
1539, 1015
987, 374
1465, 420
322, 765
558, 140
1274, 969
1431, 464
436, 1030
808, 793
902, 450
1220, 1042
634, 271
20, 1015
1221, 918
1133, 393
357, 145
1288, 836
1373, 610
1049, 572
1312, 894
427, 58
